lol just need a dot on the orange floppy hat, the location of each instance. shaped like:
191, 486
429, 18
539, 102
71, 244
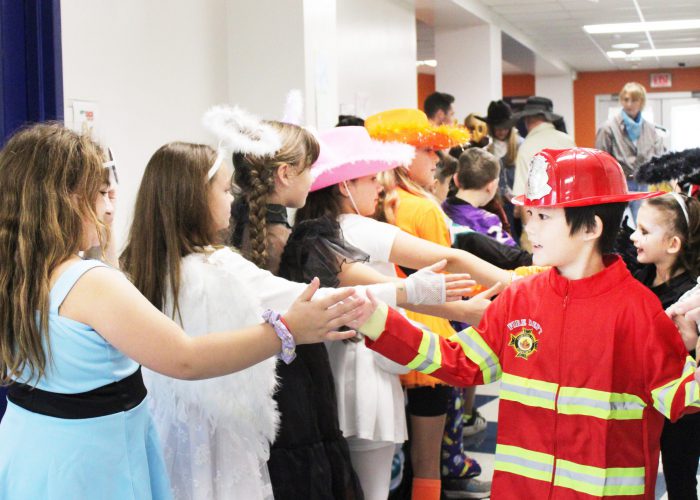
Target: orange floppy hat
576, 177
411, 126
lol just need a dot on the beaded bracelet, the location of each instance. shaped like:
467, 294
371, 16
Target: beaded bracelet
288, 345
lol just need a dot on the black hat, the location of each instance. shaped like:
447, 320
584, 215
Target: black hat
498, 115
538, 106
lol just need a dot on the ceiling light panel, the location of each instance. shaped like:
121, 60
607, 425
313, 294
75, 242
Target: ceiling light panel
682, 24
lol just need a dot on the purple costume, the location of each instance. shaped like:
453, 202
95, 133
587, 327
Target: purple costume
477, 219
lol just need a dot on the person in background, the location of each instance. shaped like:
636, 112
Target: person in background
505, 142
476, 180
538, 116
629, 138
350, 121
438, 108
444, 185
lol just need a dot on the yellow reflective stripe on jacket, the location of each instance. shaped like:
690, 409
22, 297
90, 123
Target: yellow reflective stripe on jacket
524, 462
375, 324
594, 481
480, 353
599, 482
429, 355
601, 404
692, 393
527, 391
663, 396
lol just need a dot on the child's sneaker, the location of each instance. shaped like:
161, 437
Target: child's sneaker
474, 424
461, 466
465, 488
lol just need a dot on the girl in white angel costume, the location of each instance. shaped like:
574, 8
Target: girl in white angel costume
216, 433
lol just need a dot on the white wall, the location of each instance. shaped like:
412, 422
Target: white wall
469, 67
321, 63
376, 55
152, 67
266, 53
560, 89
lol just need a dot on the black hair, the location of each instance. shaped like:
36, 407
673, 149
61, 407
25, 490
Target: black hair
350, 121
446, 167
437, 101
610, 215
322, 203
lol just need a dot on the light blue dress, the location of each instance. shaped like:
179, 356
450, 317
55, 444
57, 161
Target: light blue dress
114, 457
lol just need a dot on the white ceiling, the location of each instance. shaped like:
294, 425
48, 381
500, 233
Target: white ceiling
554, 28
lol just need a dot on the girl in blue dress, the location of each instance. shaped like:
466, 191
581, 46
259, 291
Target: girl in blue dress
73, 334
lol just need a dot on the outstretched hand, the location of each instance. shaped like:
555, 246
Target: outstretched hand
476, 306
689, 307
312, 321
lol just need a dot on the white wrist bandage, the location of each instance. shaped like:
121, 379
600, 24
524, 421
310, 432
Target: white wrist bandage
426, 287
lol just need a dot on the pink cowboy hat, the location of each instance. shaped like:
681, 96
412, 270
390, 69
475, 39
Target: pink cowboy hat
349, 153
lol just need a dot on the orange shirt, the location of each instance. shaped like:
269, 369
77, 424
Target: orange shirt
423, 218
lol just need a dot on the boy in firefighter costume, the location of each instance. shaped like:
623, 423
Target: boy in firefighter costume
589, 362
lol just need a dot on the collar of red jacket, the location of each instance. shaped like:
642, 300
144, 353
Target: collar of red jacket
614, 273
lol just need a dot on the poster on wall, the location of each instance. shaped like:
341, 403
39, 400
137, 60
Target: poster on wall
85, 115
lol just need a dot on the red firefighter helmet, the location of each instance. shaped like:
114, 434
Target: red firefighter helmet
576, 177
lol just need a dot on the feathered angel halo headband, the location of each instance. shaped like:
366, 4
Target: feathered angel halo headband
683, 166
239, 132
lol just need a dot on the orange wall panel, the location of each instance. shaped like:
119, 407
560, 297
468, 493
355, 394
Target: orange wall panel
590, 84
426, 86
518, 85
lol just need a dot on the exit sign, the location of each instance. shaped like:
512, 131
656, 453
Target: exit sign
660, 80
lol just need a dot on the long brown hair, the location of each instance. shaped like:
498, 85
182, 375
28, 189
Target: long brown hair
254, 179
50, 178
172, 219
512, 140
688, 231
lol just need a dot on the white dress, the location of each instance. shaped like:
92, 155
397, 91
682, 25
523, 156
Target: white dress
216, 433
370, 397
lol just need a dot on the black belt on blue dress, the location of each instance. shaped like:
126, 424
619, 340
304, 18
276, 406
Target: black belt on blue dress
109, 399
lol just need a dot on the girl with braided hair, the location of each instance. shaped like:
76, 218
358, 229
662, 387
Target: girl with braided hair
266, 186
310, 457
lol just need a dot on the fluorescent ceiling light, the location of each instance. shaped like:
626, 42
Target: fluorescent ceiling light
428, 62
685, 51
625, 46
685, 24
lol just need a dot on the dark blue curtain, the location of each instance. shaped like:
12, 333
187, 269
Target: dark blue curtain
31, 80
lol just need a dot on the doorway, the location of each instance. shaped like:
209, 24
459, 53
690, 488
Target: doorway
674, 113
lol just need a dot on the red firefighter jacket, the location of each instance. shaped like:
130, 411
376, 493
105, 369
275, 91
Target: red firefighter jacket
588, 370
